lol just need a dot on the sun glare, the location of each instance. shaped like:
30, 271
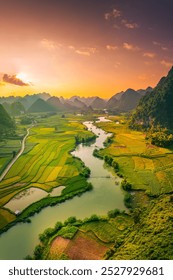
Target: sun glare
23, 77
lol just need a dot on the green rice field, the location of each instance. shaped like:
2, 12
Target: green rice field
46, 162
145, 166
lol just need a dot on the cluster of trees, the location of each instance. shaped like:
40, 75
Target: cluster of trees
160, 137
126, 185
85, 172
15, 109
7, 124
67, 230
97, 154
80, 139
109, 160
155, 108
128, 198
108, 141
26, 120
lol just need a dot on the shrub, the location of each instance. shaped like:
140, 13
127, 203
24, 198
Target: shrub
113, 213
128, 198
97, 154
70, 220
58, 226
108, 160
115, 165
126, 185
38, 252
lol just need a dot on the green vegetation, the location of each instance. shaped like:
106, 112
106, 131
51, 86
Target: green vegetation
46, 162
26, 120
85, 172
155, 108
102, 229
97, 154
110, 161
6, 217
151, 237
108, 141
144, 233
160, 137
81, 139
36, 207
145, 166
7, 125
126, 185
17, 109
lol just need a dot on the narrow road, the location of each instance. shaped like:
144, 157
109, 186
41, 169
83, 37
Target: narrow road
16, 157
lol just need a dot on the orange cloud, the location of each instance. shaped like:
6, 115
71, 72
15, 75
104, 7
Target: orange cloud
129, 25
130, 47
149, 54
164, 48
117, 16
12, 79
167, 64
71, 47
85, 51
114, 14
111, 48
160, 45
50, 45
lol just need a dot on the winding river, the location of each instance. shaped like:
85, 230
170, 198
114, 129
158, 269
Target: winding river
21, 239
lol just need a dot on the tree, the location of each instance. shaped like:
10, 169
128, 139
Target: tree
126, 185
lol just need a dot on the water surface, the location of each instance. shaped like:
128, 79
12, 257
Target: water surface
21, 239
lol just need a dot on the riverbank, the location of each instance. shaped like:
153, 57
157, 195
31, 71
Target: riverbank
99, 201
48, 164
144, 234
149, 231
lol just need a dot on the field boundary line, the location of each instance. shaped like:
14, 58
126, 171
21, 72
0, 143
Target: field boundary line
16, 157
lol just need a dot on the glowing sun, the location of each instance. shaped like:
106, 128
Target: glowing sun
23, 77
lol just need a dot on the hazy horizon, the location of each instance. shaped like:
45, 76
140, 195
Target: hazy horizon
84, 48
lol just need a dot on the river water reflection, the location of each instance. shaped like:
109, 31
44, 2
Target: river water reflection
21, 239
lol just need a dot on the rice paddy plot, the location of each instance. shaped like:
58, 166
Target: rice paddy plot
48, 162
145, 166
6, 217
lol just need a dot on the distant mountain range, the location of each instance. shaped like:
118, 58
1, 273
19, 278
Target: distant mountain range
156, 107
126, 101
44, 102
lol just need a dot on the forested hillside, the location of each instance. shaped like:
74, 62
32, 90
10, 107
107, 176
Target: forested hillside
156, 107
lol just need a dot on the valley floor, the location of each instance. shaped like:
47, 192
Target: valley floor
45, 164
146, 231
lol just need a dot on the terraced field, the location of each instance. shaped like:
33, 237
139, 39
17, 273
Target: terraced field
48, 163
146, 167
88, 241
144, 232
6, 149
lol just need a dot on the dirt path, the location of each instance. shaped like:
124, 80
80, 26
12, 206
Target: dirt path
16, 157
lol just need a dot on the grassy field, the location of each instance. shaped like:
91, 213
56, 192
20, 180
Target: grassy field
151, 237
83, 240
145, 166
6, 217
143, 234
46, 162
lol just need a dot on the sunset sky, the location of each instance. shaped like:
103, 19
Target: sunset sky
82, 47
